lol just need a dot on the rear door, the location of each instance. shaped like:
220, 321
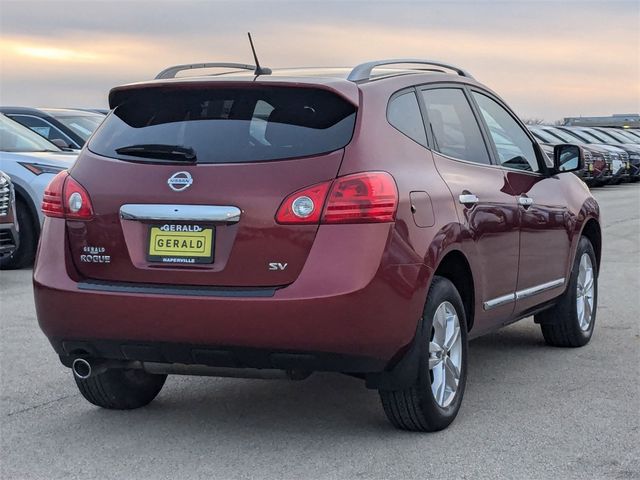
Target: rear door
546, 223
486, 209
185, 182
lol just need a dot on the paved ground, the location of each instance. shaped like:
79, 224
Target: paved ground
530, 411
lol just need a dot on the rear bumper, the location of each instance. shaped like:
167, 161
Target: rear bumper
355, 313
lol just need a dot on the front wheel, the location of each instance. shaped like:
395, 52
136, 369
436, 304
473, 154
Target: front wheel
571, 321
432, 403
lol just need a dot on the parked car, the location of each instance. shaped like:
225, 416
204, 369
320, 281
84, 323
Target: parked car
617, 137
370, 225
66, 128
616, 157
586, 134
31, 161
596, 170
9, 240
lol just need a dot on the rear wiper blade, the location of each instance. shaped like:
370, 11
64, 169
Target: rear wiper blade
159, 151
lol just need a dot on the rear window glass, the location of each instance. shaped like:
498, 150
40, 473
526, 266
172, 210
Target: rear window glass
223, 125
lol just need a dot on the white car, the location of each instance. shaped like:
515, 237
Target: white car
31, 161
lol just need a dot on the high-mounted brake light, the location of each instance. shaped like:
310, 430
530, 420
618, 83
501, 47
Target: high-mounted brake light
366, 197
64, 197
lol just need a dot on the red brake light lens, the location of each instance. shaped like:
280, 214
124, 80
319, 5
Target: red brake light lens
366, 197
362, 198
64, 197
52, 199
304, 206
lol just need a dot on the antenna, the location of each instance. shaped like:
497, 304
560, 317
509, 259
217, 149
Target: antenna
259, 69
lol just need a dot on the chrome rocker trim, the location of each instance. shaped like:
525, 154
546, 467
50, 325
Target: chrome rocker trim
521, 294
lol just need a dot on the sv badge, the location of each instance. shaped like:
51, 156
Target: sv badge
276, 266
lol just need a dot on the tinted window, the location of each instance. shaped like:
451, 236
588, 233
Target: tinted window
41, 127
454, 127
17, 138
515, 148
221, 125
82, 125
404, 114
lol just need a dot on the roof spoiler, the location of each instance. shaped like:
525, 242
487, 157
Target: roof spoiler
363, 71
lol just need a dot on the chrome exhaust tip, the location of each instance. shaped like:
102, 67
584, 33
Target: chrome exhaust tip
81, 368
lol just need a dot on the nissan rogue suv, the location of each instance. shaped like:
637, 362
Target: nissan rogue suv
367, 221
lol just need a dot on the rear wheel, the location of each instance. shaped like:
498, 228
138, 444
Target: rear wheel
571, 321
432, 403
24, 255
120, 389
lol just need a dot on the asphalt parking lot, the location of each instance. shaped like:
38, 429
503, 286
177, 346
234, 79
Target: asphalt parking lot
530, 411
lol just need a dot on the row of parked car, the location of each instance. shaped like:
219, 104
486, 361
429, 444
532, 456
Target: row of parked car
36, 144
611, 155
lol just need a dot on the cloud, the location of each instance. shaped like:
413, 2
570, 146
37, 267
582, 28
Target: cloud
548, 59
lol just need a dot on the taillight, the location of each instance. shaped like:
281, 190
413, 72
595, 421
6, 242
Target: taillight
304, 206
52, 199
362, 198
64, 197
358, 198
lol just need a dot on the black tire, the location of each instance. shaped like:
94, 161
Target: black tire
416, 408
120, 389
560, 324
24, 255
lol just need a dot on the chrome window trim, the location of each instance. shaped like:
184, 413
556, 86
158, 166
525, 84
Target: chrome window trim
187, 213
521, 294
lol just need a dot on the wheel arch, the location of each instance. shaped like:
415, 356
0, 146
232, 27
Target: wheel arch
455, 267
22, 195
592, 231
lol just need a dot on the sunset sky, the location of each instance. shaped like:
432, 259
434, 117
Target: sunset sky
547, 59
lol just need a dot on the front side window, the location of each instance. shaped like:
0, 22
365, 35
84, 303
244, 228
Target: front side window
515, 148
455, 130
404, 114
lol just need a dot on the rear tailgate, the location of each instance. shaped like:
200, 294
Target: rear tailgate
254, 147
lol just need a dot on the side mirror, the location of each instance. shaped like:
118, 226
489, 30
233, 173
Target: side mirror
567, 158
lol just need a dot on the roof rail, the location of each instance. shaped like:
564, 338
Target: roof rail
363, 71
171, 72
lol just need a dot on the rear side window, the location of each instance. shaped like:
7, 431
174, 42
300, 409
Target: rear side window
225, 125
454, 127
404, 114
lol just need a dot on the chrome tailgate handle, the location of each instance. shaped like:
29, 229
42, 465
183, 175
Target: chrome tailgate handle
181, 213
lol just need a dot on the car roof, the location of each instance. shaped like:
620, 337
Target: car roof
46, 111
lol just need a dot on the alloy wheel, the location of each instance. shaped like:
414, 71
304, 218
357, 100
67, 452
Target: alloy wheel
585, 292
445, 354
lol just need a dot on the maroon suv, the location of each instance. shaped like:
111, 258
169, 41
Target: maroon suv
368, 222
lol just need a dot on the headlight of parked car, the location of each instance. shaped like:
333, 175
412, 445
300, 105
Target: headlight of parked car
39, 169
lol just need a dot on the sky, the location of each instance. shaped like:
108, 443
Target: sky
547, 59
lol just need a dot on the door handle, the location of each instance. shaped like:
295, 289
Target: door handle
525, 201
468, 199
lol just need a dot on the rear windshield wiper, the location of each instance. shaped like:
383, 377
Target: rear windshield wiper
160, 152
